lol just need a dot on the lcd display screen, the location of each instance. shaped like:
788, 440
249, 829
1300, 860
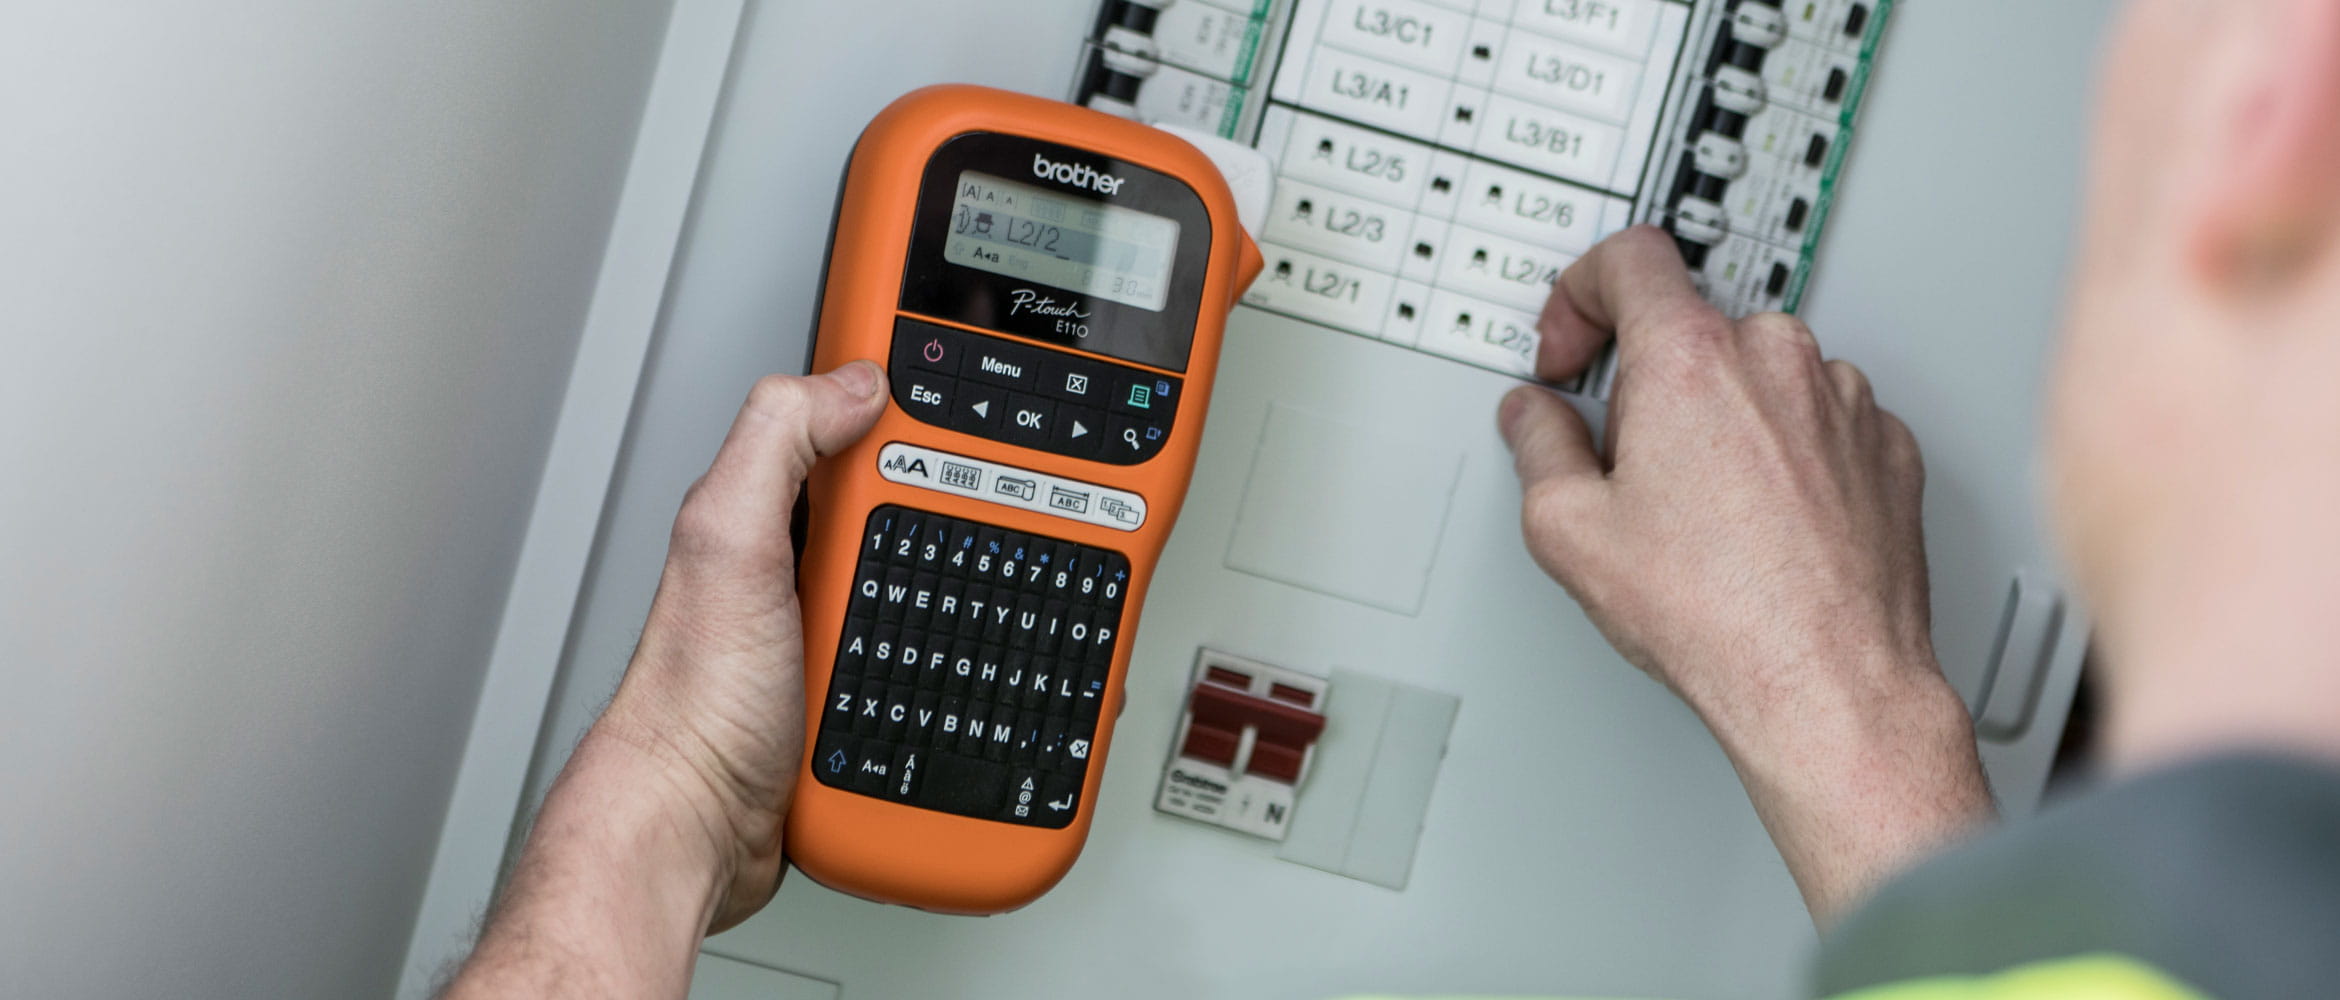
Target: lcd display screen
1021, 231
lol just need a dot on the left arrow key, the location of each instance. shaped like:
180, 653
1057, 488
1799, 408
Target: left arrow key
978, 408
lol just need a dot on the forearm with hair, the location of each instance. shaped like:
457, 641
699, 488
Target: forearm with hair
1859, 784
610, 895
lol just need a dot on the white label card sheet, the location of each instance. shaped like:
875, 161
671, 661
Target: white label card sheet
1439, 162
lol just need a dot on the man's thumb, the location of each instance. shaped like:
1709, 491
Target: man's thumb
1548, 439
743, 503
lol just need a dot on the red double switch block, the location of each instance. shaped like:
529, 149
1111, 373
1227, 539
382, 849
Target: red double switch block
1282, 719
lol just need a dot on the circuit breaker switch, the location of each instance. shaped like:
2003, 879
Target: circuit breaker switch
1212, 744
1762, 25
1700, 221
1281, 732
1721, 156
1286, 692
1121, 39
1276, 763
1738, 90
1244, 744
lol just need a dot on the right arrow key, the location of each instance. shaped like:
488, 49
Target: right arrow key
1079, 432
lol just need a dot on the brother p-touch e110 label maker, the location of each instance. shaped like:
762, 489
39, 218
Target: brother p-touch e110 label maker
1046, 286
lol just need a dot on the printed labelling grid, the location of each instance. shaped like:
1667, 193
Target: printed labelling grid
1440, 161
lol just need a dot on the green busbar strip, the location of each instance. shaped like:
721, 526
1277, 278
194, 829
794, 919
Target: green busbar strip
1231, 118
1243, 63
1794, 299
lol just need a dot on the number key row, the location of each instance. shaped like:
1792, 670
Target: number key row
967, 550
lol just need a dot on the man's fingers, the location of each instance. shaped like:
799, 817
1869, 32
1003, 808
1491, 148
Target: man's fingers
1552, 450
1549, 440
1567, 340
1901, 448
742, 505
1852, 386
1632, 285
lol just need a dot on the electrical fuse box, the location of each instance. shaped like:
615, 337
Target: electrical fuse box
1451, 157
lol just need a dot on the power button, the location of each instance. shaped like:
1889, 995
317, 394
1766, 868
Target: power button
934, 348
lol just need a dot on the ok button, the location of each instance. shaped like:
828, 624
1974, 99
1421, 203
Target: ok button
1029, 419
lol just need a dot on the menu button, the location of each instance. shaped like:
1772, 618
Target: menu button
998, 368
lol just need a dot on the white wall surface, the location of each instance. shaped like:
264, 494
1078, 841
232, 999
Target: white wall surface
288, 296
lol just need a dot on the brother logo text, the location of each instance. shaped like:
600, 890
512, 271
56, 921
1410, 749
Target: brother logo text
1076, 174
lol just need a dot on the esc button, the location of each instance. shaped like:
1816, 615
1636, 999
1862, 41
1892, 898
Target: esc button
924, 395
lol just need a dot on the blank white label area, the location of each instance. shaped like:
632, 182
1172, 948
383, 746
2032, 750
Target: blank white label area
1344, 510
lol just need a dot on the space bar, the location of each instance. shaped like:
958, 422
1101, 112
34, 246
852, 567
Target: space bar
968, 786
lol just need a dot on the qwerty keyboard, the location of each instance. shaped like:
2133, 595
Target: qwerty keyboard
971, 669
